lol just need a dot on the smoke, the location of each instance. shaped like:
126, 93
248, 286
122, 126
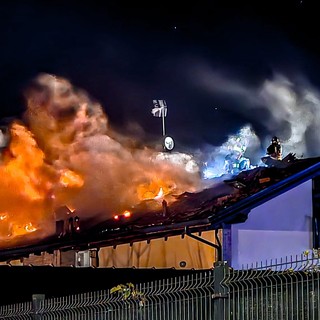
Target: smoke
295, 110
72, 130
238, 147
65, 153
291, 107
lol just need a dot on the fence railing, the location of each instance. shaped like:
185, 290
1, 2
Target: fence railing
285, 289
185, 297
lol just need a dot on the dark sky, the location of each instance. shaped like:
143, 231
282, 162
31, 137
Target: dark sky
218, 64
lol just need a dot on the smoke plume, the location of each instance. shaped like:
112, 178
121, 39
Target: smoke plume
72, 130
291, 107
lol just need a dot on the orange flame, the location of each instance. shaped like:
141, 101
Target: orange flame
26, 184
159, 195
69, 178
18, 230
127, 213
71, 208
24, 163
156, 189
70, 157
3, 216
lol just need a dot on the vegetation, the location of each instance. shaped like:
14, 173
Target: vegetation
128, 291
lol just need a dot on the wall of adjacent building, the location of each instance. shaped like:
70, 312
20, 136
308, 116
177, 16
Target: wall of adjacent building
175, 252
278, 228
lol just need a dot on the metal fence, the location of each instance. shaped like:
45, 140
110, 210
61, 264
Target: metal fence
284, 289
186, 297
281, 290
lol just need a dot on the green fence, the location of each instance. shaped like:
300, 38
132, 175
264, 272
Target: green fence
283, 289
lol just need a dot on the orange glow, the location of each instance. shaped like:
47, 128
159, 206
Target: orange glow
156, 189
26, 184
19, 230
65, 154
72, 209
3, 216
23, 163
29, 227
160, 194
69, 178
127, 214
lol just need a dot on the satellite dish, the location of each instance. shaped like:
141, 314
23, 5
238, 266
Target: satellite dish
168, 143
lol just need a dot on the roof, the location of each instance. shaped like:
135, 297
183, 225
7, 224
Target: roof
225, 201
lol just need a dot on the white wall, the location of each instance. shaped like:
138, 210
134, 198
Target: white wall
278, 228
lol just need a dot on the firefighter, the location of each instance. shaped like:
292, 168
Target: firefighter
275, 149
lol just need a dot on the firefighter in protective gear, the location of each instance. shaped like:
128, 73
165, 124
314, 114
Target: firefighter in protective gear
275, 149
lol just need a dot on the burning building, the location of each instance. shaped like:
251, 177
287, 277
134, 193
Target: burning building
71, 184
63, 154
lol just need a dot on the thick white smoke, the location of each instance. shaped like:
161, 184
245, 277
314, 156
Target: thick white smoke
292, 105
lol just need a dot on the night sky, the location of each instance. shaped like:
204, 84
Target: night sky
219, 65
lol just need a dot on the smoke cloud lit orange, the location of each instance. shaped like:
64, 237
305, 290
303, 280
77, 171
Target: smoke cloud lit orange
62, 153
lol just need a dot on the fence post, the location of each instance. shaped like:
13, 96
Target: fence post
36, 300
220, 295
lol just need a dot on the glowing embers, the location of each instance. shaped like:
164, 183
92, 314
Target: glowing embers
4, 225
123, 216
19, 230
69, 178
159, 195
76, 224
3, 216
9, 230
156, 189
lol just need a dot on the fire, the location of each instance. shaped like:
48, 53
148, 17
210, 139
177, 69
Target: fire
63, 154
156, 189
3, 216
71, 209
69, 178
23, 164
159, 195
29, 227
26, 184
19, 230
126, 214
